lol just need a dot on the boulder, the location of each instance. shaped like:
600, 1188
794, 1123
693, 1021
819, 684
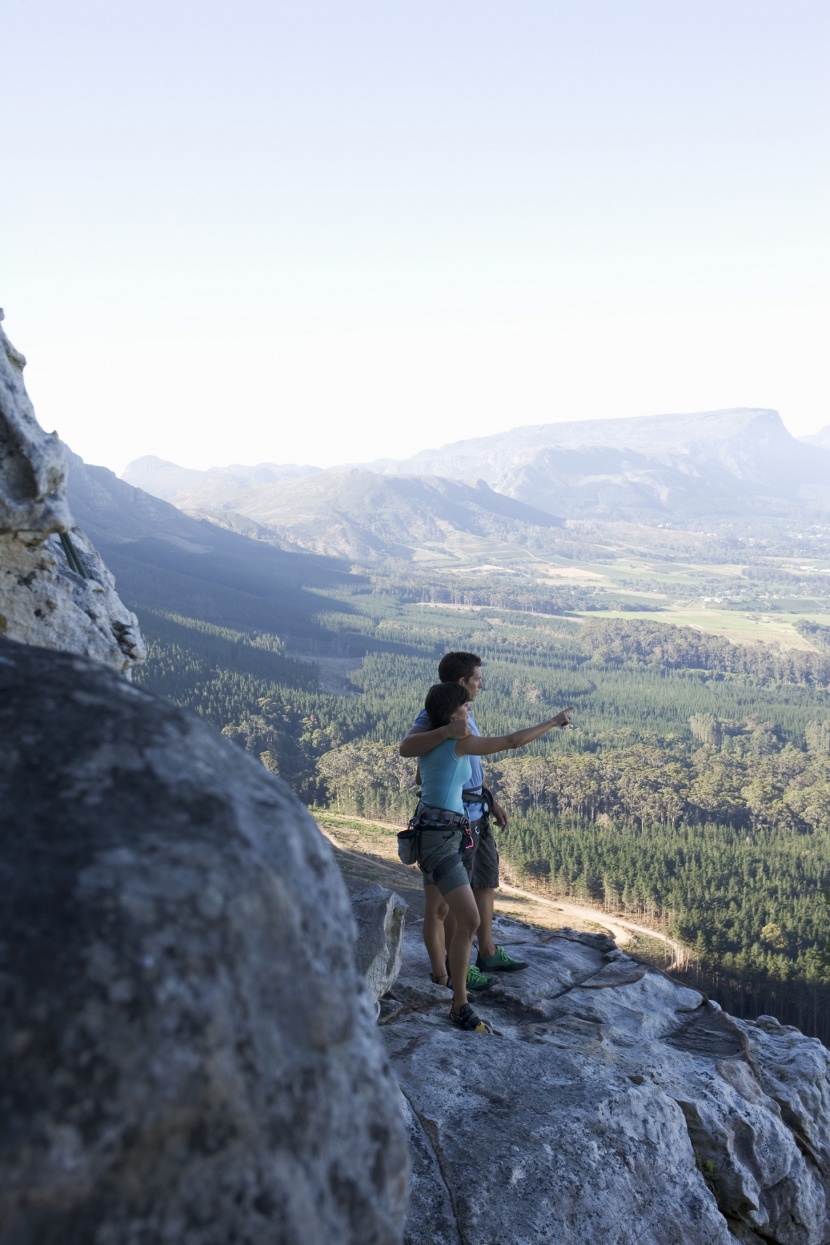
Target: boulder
55, 591
612, 1104
188, 1053
379, 915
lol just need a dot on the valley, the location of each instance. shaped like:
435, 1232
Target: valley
692, 797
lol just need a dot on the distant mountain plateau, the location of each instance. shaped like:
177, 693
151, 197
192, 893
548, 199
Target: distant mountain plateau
516, 486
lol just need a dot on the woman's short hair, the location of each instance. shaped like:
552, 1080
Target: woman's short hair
442, 701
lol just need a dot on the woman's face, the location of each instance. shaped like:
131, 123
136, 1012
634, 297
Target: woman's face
459, 714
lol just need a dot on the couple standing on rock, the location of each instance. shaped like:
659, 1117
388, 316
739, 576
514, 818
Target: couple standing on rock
454, 841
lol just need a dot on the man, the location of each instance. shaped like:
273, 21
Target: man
483, 865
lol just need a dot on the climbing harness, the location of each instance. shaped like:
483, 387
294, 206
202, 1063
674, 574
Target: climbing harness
479, 795
426, 818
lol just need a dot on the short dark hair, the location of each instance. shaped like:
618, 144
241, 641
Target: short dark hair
442, 701
455, 666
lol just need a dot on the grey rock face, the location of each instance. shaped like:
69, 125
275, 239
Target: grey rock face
379, 914
44, 600
186, 1047
612, 1105
32, 466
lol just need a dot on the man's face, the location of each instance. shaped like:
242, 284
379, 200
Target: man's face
474, 683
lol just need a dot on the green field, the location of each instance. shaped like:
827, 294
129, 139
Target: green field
615, 574
749, 628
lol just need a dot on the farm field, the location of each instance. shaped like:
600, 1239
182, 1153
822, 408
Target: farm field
740, 628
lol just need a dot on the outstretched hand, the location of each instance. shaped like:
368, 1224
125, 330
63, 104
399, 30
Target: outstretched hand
564, 718
459, 728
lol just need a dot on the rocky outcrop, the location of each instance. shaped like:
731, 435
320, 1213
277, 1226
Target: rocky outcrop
188, 1052
379, 914
611, 1105
55, 591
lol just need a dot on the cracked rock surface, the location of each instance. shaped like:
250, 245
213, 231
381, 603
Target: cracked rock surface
49, 597
612, 1105
379, 917
187, 1051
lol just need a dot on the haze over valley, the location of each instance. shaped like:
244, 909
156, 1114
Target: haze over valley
719, 518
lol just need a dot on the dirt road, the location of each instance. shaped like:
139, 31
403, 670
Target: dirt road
621, 928
367, 851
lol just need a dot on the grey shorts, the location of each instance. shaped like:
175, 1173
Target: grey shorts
436, 846
484, 866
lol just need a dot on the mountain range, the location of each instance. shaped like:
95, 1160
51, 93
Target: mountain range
515, 486
352, 513
715, 462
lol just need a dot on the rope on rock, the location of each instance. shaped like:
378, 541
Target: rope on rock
72, 555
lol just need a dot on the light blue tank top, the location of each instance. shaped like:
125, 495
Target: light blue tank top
475, 809
443, 775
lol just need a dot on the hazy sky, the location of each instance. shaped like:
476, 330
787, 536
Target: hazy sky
326, 232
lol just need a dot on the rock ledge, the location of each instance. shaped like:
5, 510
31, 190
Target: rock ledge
613, 1105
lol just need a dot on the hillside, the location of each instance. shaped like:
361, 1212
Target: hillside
365, 516
165, 560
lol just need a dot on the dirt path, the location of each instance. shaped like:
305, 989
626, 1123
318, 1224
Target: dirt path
367, 852
622, 929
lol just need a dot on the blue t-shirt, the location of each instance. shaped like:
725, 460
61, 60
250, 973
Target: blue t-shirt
476, 810
443, 775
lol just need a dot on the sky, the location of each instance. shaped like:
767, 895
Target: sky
328, 232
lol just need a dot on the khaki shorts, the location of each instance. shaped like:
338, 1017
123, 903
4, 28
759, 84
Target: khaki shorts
484, 866
435, 847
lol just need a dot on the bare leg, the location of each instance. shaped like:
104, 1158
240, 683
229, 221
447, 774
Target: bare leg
449, 926
435, 910
463, 907
484, 902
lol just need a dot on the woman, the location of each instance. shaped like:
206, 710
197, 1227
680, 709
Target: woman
440, 822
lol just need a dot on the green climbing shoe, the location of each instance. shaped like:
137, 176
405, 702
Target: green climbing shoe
476, 979
501, 962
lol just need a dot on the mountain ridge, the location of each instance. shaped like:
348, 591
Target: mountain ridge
645, 463
737, 463
168, 480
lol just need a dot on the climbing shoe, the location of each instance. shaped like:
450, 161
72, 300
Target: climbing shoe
467, 1019
476, 980
501, 962
438, 982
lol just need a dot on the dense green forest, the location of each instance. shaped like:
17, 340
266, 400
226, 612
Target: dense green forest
693, 789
